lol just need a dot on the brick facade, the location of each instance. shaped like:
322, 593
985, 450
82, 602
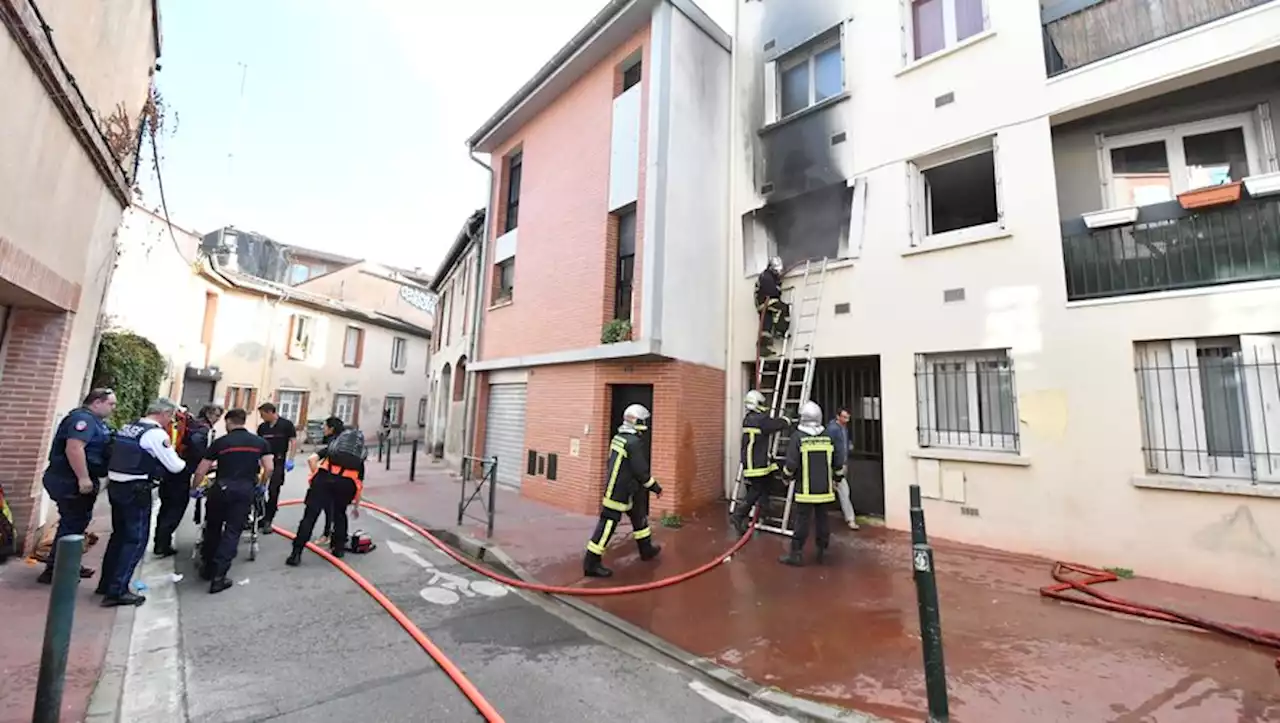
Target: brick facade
34, 352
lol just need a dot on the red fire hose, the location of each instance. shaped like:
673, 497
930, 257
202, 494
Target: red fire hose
1081, 578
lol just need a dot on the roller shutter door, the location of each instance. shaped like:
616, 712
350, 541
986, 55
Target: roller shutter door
504, 431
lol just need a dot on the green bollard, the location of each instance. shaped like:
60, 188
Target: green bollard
57, 630
935, 672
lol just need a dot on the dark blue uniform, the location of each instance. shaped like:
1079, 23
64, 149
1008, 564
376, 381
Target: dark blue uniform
130, 509
75, 510
175, 489
239, 455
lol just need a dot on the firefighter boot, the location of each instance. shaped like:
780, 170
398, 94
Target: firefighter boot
792, 558
295, 558
821, 554
592, 567
648, 550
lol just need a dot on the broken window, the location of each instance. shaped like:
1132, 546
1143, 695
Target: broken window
813, 225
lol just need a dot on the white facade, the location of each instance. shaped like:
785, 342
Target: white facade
1044, 452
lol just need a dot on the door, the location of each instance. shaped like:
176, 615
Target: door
854, 383
196, 393
623, 396
504, 430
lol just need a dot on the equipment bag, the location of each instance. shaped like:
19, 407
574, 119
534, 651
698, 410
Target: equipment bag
360, 543
347, 450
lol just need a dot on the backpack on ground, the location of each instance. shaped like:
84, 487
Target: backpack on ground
360, 543
347, 450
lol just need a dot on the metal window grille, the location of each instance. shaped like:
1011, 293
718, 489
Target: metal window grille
1211, 407
967, 400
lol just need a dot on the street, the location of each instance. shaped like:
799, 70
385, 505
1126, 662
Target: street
307, 644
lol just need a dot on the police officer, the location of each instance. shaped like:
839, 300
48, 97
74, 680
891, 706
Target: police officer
769, 305
811, 453
627, 490
142, 453
192, 438
759, 471
241, 456
77, 464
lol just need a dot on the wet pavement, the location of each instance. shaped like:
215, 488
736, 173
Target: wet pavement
24, 606
847, 633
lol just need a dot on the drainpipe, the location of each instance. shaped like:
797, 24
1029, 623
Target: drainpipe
100, 323
473, 351
731, 369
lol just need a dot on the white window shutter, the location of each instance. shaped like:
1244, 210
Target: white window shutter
770, 92
1267, 131
924, 411
995, 161
1261, 372
1159, 408
904, 10
913, 212
857, 220
1192, 439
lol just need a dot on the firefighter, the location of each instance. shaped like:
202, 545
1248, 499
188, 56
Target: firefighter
759, 471
140, 456
190, 437
774, 312
77, 464
627, 491
812, 455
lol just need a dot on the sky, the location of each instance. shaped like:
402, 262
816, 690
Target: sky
349, 135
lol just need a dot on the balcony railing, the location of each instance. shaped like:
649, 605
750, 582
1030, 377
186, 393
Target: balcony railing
1170, 248
1080, 32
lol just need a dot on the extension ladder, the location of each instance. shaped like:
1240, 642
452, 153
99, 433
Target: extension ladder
786, 379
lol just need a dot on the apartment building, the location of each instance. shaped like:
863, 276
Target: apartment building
602, 277
239, 340
75, 73
454, 291
1032, 312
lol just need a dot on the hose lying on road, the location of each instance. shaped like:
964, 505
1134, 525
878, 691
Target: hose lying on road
555, 589
1068, 576
466, 686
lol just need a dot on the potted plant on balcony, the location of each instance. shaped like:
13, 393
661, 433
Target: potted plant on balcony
615, 331
1207, 196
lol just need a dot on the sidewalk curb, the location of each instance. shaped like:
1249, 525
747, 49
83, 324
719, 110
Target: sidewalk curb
771, 697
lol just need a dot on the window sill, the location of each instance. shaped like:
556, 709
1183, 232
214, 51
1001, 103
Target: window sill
501, 303
1210, 485
397, 371
993, 234
1007, 459
816, 107
946, 52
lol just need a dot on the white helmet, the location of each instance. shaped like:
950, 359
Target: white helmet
775, 263
810, 413
754, 401
635, 418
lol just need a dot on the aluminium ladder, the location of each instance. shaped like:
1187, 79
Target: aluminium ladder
786, 379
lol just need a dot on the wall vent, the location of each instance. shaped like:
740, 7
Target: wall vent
944, 99
842, 308
969, 511
770, 44
838, 138
766, 188
950, 295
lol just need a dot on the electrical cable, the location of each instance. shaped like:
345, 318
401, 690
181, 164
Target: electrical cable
455, 674
556, 589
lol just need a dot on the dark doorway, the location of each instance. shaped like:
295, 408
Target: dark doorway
623, 396
196, 393
854, 383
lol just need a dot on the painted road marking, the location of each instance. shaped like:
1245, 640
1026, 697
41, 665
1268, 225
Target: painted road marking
740, 708
446, 588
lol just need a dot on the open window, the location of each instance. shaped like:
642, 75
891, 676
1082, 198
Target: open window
399, 354
353, 347
826, 223
955, 194
300, 333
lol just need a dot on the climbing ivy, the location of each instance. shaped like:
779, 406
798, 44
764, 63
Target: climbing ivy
131, 366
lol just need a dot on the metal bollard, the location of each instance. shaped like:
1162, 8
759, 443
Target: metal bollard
57, 630
379, 448
388, 456
935, 673
413, 459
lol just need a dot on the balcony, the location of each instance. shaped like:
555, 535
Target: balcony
1080, 32
1170, 249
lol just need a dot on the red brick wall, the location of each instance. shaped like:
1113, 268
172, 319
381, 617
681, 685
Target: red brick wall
34, 352
562, 265
563, 400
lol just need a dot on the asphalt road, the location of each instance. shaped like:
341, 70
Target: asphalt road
306, 644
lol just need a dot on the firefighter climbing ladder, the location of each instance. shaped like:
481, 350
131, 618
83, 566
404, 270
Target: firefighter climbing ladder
785, 379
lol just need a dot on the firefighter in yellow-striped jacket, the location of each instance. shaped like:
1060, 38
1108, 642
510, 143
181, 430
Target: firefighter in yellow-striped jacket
626, 491
815, 463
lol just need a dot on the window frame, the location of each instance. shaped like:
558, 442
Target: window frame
1175, 151
920, 198
301, 329
358, 358
949, 31
625, 71
355, 408
514, 169
422, 412
397, 419
399, 354
240, 396
975, 439
807, 54
503, 294
622, 307
303, 397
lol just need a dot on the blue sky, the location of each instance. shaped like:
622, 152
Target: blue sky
350, 134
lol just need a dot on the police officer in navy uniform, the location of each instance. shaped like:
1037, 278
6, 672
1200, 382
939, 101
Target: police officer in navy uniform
77, 464
241, 457
626, 492
139, 458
